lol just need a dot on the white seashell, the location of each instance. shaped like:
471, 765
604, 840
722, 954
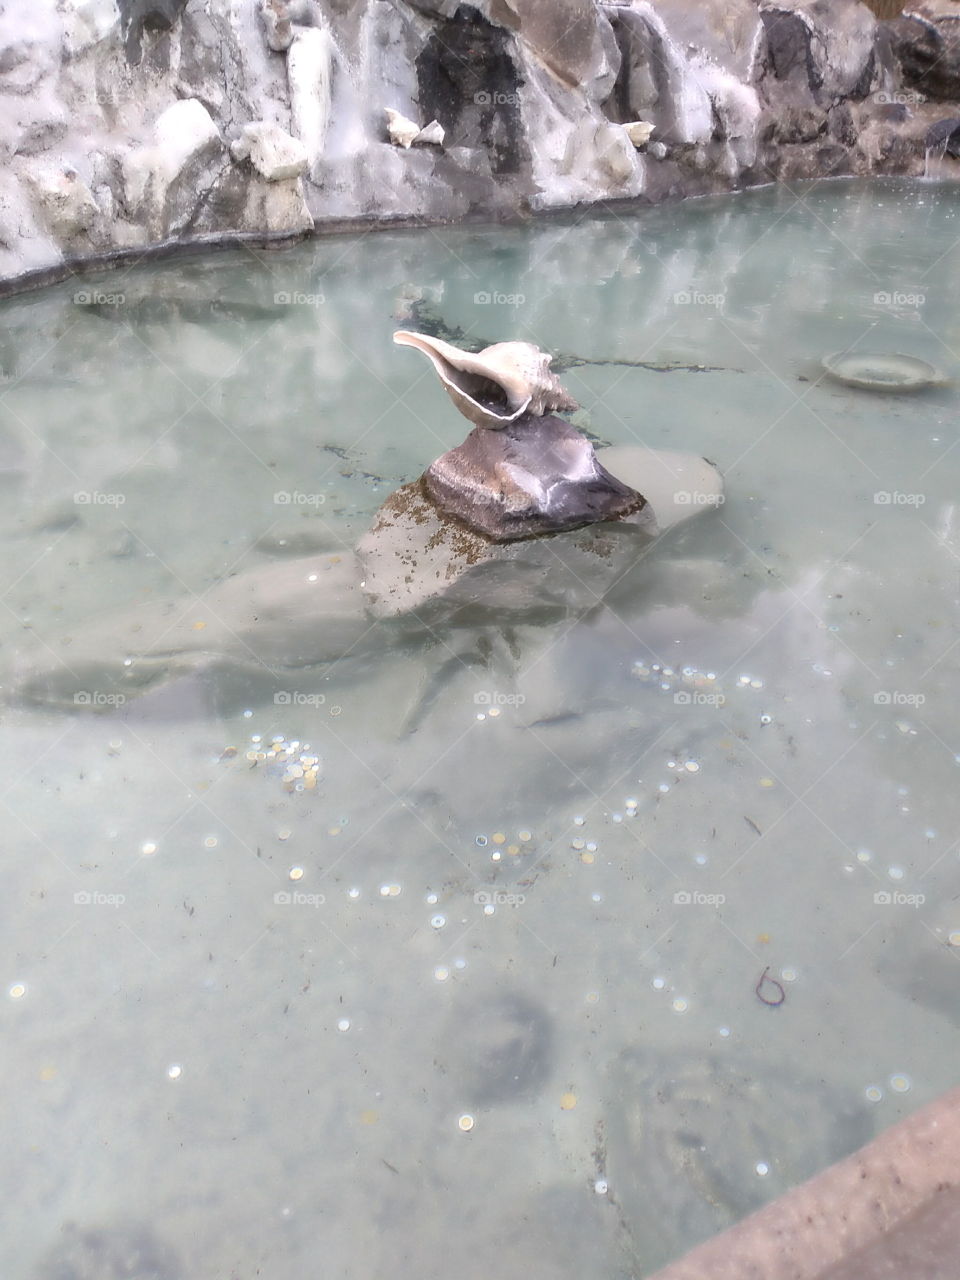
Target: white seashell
496, 386
430, 135
401, 130
639, 131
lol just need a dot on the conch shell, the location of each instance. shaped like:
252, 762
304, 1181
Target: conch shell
495, 386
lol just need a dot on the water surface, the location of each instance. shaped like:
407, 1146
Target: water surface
483, 999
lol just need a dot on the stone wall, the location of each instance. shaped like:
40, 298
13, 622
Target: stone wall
131, 124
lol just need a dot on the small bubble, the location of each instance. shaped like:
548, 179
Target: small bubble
498, 837
578, 844
680, 1005
900, 1084
864, 855
493, 712
295, 873
248, 715
954, 938
725, 1032
353, 893
597, 897
895, 873
343, 1024
692, 766
765, 719
489, 909
438, 921
210, 842
391, 890
664, 787
460, 964
658, 984
524, 836
600, 1187
481, 841
762, 1168
148, 848
788, 975
284, 833
568, 1101
579, 820
701, 859
872, 1093
17, 991
432, 899
481, 715
466, 1123
174, 1071
592, 846
592, 997
441, 973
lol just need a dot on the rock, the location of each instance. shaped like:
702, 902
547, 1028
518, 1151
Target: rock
430, 135
639, 132
271, 150
824, 51
280, 18
309, 75
400, 130
538, 475
572, 37
63, 201
944, 135
138, 16
163, 183
926, 40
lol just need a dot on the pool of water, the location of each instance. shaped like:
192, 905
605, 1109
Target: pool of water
572, 940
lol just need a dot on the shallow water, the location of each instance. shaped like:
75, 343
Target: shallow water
243, 1026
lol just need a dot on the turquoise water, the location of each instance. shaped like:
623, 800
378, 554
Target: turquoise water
249, 1026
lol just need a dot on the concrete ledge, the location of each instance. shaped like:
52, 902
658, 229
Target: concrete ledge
890, 1210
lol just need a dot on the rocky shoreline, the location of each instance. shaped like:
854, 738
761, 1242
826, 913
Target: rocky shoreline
137, 128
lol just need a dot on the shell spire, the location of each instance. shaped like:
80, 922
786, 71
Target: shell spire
497, 386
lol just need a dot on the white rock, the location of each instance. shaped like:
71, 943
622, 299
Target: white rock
271, 150
63, 200
181, 134
87, 22
430, 135
639, 131
310, 76
402, 130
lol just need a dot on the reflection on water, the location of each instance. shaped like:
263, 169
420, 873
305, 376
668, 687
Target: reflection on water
477, 987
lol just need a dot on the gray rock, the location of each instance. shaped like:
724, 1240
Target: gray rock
926, 41
538, 475
271, 151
